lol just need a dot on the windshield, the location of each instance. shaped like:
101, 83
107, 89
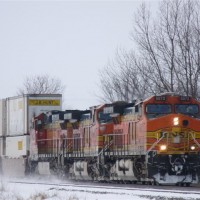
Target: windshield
129, 110
188, 109
155, 110
85, 117
104, 117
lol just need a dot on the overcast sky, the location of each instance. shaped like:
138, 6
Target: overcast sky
71, 40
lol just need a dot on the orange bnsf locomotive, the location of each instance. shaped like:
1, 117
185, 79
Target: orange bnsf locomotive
153, 141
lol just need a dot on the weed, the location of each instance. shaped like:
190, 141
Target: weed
73, 198
42, 196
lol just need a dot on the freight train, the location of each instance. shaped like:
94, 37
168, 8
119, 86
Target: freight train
155, 141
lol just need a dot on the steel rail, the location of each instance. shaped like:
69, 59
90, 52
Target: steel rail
107, 187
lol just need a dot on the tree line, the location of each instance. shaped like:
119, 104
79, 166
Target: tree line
165, 57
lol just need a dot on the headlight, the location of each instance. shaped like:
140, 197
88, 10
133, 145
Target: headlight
163, 147
192, 147
176, 121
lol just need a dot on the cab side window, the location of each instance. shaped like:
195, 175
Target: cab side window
138, 109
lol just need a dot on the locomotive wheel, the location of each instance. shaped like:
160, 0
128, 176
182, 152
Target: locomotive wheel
150, 183
155, 183
134, 182
187, 184
182, 184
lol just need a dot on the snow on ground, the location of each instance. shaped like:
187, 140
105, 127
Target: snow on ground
17, 191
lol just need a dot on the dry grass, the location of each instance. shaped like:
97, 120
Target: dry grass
73, 198
39, 196
5, 194
42, 196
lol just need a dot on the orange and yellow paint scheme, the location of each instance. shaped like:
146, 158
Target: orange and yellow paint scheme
155, 140
172, 138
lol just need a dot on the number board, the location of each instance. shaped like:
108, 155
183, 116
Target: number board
160, 98
55, 117
68, 116
108, 110
184, 98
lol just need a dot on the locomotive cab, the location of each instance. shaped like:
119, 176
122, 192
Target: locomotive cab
173, 139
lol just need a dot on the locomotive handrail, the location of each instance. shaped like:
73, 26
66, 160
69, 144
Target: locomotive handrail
73, 138
59, 138
106, 147
195, 139
116, 134
47, 139
156, 143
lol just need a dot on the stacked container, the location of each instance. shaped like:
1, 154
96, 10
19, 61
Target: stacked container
20, 111
2, 126
16, 122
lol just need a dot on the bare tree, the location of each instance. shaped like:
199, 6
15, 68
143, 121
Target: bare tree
169, 46
121, 79
166, 57
41, 84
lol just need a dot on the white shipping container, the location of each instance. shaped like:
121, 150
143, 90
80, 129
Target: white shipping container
13, 167
22, 109
17, 146
1, 146
2, 117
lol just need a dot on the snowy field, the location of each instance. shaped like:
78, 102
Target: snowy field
18, 191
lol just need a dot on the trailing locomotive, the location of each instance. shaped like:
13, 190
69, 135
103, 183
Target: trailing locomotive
153, 141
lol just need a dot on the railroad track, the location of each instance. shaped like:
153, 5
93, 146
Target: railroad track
101, 188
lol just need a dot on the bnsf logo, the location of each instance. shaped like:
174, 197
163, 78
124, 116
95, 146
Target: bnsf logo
175, 134
181, 134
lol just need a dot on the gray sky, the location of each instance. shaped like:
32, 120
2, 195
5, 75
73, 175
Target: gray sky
70, 40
